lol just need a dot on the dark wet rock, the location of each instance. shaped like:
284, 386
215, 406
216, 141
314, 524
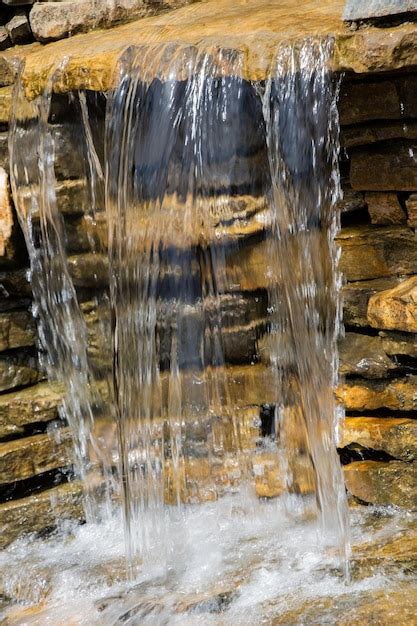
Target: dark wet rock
4, 38
19, 369
386, 167
17, 329
354, 136
385, 209
364, 355
18, 28
397, 343
411, 204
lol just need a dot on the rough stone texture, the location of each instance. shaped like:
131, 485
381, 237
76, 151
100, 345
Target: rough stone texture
395, 436
17, 329
54, 20
395, 309
411, 205
369, 252
14, 286
359, 10
395, 343
365, 101
386, 167
383, 608
362, 135
27, 406
32, 456
40, 511
385, 209
356, 296
352, 200
5, 104
7, 238
89, 270
4, 38
383, 483
4, 151
363, 355
18, 369
396, 395
19, 28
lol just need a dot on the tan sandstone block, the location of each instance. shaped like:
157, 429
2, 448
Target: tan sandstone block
395, 309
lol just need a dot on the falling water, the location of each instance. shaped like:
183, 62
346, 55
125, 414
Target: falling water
220, 198
187, 136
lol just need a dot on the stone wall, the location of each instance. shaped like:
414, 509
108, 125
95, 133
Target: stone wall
378, 355
379, 260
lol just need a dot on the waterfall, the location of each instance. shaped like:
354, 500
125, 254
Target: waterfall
196, 165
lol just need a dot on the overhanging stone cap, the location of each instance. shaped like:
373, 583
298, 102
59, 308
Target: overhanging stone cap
253, 27
367, 9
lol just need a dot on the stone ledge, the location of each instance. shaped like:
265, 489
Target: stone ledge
34, 455
40, 511
27, 406
396, 395
394, 435
93, 57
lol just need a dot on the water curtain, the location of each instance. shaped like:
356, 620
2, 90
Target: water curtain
193, 166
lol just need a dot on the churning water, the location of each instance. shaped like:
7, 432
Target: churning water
211, 201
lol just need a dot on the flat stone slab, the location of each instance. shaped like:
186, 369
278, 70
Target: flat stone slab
366, 9
253, 28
